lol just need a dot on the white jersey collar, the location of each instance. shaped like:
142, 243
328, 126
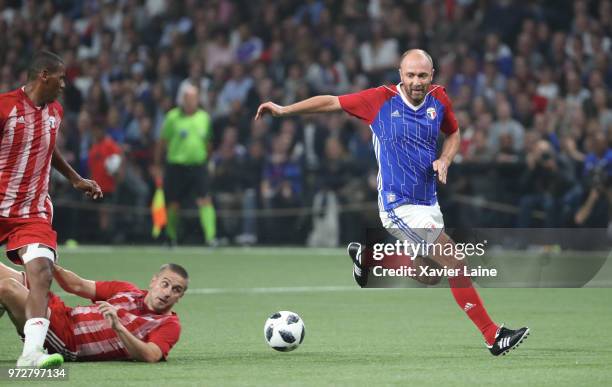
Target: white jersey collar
411, 106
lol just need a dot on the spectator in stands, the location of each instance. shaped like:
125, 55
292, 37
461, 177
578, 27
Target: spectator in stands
226, 178
550, 63
543, 182
105, 163
505, 124
281, 188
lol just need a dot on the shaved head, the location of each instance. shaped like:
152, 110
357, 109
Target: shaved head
416, 72
416, 55
44, 60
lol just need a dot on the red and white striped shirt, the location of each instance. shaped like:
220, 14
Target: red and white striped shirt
84, 334
27, 140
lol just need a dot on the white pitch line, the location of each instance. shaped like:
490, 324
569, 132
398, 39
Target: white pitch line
193, 250
274, 290
289, 289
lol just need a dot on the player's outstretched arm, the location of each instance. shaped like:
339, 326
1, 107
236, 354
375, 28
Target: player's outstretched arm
137, 349
318, 104
72, 283
90, 187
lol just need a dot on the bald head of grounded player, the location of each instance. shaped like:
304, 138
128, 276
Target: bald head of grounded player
416, 73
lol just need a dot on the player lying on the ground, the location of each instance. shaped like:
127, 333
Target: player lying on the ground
405, 120
125, 322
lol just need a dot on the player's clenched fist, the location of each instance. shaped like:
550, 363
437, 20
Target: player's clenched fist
269, 107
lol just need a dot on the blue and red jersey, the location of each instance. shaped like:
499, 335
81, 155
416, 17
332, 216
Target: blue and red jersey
405, 140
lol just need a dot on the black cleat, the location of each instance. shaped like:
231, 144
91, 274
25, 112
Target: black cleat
360, 274
507, 339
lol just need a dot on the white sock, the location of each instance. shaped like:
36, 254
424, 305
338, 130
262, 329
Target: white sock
35, 331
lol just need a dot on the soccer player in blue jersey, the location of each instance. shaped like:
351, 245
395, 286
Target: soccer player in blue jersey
405, 120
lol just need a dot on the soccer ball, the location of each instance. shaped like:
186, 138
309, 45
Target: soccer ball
284, 331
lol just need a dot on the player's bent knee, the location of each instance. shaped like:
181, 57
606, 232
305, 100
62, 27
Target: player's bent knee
8, 287
40, 274
446, 256
37, 250
426, 267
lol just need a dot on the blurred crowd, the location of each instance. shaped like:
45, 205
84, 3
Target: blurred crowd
530, 83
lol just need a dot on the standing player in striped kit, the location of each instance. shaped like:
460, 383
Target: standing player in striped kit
125, 323
405, 120
29, 120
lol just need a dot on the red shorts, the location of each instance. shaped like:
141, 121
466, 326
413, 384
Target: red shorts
17, 233
60, 337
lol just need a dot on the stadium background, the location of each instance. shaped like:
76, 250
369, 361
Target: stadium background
518, 72
529, 81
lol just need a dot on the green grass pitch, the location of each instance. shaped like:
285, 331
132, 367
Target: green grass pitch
354, 337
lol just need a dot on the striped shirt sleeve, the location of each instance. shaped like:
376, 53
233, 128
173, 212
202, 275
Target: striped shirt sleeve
107, 289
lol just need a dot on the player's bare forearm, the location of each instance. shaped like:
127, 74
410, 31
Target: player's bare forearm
89, 187
450, 147
317, 104
61, 165
138, 349
72, 283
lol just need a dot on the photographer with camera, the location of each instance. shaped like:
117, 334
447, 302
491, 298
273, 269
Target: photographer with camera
597, 191
543, 181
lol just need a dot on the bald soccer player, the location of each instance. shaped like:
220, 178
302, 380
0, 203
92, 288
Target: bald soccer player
406, 120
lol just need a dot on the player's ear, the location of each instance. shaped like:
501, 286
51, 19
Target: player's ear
44, 75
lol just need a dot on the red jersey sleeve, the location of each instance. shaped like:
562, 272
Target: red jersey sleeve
449, 122
166, 336
366, 104
4, 105
107, 289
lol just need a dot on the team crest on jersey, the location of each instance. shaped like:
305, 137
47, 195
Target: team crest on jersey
52, 122
431, 113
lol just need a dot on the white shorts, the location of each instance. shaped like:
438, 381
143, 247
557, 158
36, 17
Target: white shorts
414, 223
